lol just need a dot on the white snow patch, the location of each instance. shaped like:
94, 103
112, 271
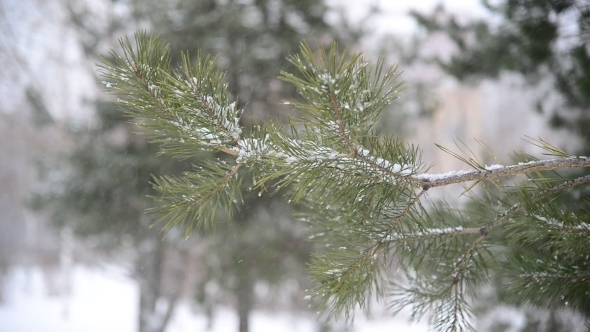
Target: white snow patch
527, 163
98, 302
253, 148
440, 231
493, 167
436, 177
557, 224
428, 232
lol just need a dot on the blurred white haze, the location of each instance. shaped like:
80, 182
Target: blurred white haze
39, 49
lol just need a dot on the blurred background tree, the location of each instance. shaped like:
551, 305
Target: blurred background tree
539, 39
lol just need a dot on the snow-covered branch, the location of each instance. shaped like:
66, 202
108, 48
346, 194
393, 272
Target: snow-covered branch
498, 171
364, 190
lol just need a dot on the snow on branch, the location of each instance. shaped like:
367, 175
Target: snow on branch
432, 232
498, 171
582, 227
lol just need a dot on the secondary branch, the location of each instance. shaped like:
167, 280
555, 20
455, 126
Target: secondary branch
497, 171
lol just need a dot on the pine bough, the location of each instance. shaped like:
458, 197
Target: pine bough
363, 191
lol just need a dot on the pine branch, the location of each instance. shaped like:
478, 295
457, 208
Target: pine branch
558, 283
498, 171
338, 272
195, 198
364, 190
185, 110
484, 231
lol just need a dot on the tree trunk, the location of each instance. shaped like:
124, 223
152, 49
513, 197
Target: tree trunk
149, 278
179, 277
244, 297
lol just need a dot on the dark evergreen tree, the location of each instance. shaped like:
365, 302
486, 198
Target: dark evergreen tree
99, 191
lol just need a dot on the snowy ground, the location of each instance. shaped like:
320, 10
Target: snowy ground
103, 300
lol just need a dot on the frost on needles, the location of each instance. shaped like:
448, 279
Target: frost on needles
363, 190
